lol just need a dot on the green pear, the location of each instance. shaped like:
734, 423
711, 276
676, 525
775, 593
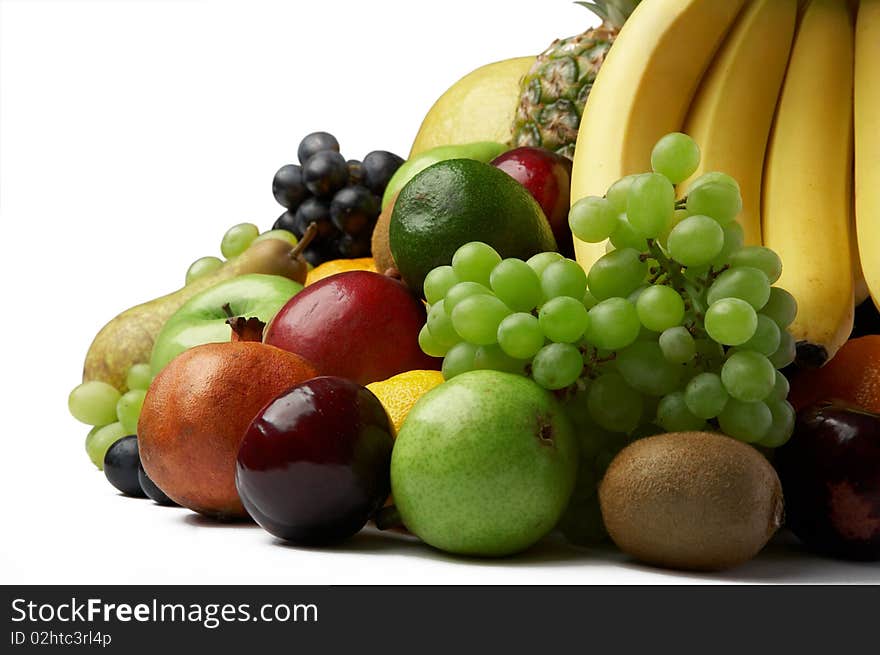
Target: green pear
484, 464
128, 338
203, 318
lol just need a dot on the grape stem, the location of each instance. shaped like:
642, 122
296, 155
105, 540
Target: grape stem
676, 279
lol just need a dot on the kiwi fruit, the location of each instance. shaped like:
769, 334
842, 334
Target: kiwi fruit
379, 244
691, 500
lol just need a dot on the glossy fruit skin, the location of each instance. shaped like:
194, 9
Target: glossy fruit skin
325, 172
354, 211
378, 168
830, 472
150, 489
288, 187
314, 143
358, 325
853, 376
195, 414
547, 176
121, 466
314, 463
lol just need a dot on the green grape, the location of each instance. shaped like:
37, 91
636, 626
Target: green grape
781, 426
516, 284
564, 278
100, 439
645, 369
734, 236
590, 300
128, 409
429, 345
676, 156
650, 204
780, 306
520, 335
474, 262
633, 297
743, 282
139, 376
731, 321
462, 290
660, 307
705, 395
542, 260
614, 324
494, 358
780, 388
713, 176
715, 199
438, 283
746, 421
760, 257
677, 217
557, 365
441, 327
695, 241
625, 236
592, 219
786, 352
93, 403
476, 319
617, 273
202, 267
613, 404
674, 416
281, 235
459, 359
238, 238
563, 319
678, 345
766, 339
618, 193
748, 376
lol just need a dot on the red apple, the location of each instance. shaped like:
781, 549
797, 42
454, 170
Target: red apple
547, 176
358, 325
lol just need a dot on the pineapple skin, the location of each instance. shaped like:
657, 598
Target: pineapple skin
554, 91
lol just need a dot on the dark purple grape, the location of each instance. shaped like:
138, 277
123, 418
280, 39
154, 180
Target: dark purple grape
312, 210
121, 465
314, 143
351, 247
325, 173
150, 488
355, 172
288, 187
319, 253
378, 167
287, 221
354, 210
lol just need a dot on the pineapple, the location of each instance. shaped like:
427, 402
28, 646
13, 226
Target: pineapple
554, 91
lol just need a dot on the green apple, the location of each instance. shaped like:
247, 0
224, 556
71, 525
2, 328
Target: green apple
202, 319
484, 464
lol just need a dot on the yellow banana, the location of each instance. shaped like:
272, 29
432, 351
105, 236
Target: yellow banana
867, 142
732, 113
643, 91
807, 194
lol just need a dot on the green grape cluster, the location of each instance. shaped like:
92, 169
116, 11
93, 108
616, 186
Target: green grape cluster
677, 327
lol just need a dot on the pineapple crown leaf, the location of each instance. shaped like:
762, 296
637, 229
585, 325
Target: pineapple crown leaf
613, 12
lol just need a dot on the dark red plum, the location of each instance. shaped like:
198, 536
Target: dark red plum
547, 176
830, 472
314, 464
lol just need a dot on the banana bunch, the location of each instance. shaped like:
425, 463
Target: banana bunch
783, 95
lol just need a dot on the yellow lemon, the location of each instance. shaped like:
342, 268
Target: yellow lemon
399, 393
335, 266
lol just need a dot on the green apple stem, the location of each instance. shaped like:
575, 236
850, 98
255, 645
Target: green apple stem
307, 237
387, 518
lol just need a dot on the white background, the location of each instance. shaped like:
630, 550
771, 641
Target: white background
132, 134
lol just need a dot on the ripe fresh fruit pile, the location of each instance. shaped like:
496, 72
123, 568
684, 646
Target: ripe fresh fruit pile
343, 198
612, 341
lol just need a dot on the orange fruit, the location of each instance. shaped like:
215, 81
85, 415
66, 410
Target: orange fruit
335, 266
853, 375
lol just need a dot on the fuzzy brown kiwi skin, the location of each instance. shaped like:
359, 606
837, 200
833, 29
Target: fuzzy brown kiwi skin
691, 500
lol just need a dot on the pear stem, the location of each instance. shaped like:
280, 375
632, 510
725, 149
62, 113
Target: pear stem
387, 518
307, 237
